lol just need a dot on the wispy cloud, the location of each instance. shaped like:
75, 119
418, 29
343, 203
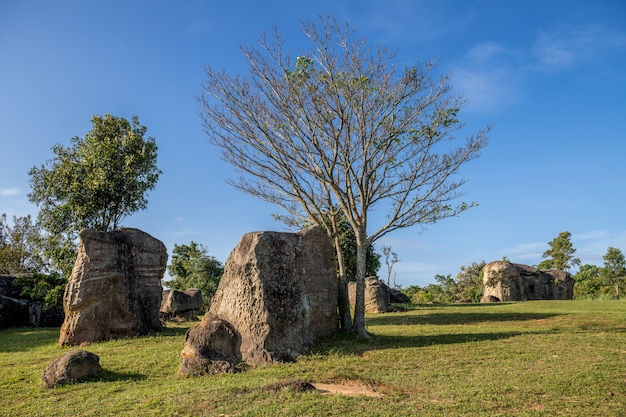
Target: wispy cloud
526, 252
487, 90
592, 246
494, 76
490, 75
188, 231
9, 192
566, 46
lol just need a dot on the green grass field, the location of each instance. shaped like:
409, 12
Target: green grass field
544, 358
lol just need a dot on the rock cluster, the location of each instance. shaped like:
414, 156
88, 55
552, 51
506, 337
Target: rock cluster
506, 281
115, 288
279, 293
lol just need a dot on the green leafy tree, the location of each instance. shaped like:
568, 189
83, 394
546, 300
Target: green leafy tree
447, 289
561, 253
344, 126
469, 282
347, 240
192, 267
18, 251
587, 282
94, 183
47, 288
614, 270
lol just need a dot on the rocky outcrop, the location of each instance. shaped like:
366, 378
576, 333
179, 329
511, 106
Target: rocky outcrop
506, 281
8, 288
17, 310
15, 313
115, 288
397, 296
377, 296
279, 292
74, 366
181, 305
211, 347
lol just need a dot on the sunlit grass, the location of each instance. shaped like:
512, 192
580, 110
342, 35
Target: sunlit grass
518, 359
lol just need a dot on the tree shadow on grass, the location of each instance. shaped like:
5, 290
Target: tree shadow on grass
348, 344
21, 339
399, 319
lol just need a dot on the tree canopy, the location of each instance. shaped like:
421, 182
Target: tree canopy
341, 125
99, 180
614, 271
561, 253
18, 254
94, 183
192, 267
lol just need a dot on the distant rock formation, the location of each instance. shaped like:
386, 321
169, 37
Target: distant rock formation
115, 288
18, 311
74, 366
506, 281
378, 296
279, 292
181, 305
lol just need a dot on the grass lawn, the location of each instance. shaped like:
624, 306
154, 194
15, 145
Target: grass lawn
541, 358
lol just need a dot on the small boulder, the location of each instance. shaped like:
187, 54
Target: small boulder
211, 347
74, 366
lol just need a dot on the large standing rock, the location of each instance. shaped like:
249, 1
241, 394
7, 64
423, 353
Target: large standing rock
74, 366
181, 304
506, 281
279, 291
115, 287
211, 347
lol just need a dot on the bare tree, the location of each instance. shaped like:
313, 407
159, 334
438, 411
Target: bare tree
341, 126
391, 258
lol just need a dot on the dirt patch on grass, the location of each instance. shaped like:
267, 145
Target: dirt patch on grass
351, 388
348, 388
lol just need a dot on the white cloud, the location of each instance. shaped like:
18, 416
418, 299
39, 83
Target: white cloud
592, 246
187, 232
9, 192
568, 46
493, 76
487, 90
525, 252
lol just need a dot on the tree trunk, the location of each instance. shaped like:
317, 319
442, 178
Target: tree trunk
343, 303
358, 325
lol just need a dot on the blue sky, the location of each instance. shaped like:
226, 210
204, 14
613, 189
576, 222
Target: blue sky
549, 76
